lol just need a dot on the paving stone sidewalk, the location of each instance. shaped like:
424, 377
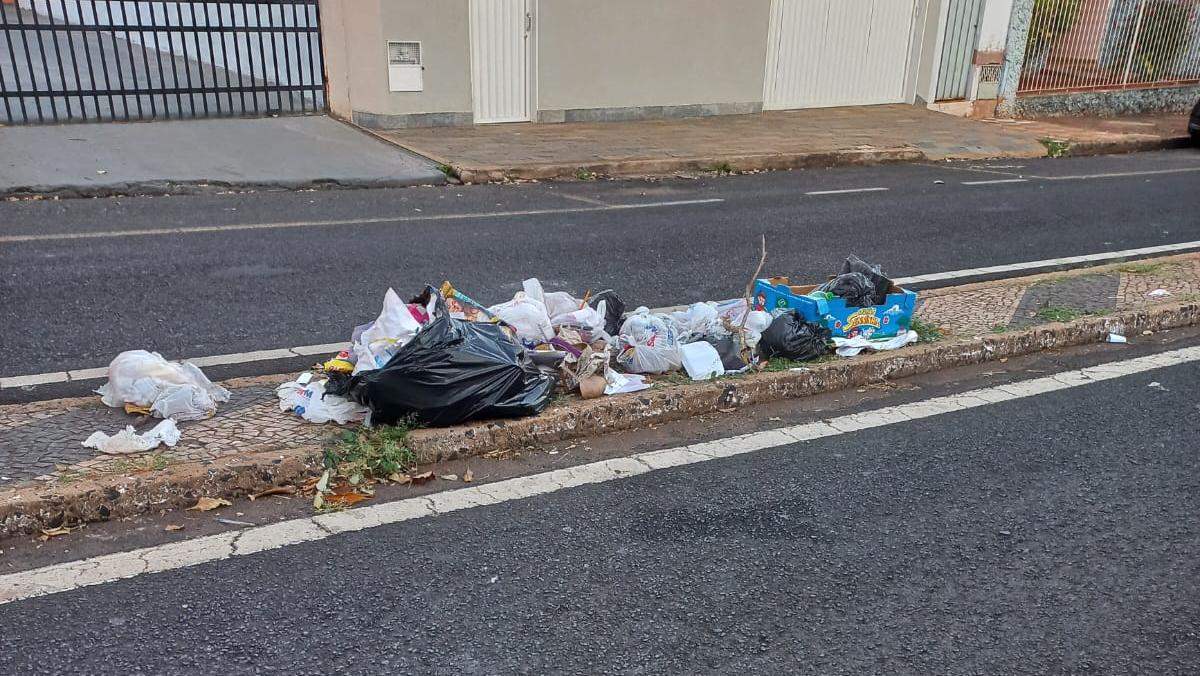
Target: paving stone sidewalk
664, 146
42, 440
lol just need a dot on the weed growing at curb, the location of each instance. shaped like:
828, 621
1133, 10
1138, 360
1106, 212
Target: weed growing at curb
1056, 147
1060, 313
928, 332
721, 169
1140, 268
1002, 328
147, 463
585, 175
378, 451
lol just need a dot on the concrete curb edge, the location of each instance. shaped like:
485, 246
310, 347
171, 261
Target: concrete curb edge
27, 508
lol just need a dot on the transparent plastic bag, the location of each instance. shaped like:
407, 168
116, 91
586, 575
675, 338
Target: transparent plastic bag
648, 344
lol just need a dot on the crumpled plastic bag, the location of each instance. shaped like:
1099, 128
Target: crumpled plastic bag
375, 343
129, 441
648, 344
526, 313
311, 402
451, 372
790, 337
171, 390
698, 321
851, 347
859, 284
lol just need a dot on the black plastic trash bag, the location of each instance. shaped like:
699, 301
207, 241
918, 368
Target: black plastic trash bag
451, 372
790, 337
727, 347
614, 310
860, 284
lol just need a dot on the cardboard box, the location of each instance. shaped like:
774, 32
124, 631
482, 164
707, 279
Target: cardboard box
879, 321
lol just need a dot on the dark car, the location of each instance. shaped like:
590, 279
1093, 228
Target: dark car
1194, 124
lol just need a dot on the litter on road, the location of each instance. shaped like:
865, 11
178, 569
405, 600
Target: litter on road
444, 358
129, 441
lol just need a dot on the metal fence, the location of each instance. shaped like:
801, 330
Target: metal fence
1079, 45
86, 60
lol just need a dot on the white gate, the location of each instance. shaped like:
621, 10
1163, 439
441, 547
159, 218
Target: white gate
501, 54
837, 52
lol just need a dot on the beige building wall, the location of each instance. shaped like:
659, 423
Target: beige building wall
637, 53
356, 33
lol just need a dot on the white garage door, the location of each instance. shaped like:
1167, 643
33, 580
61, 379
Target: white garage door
837, 52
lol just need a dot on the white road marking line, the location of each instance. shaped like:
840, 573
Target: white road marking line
846, 191
1121, 174
349, 221
333, 348
581, 198
996, 180
1051, 262
63, 577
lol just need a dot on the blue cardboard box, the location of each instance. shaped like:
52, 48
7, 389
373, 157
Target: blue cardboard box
879, 321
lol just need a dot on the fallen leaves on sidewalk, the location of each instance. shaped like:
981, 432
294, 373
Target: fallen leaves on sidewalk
208, 504
171, 527
468, 476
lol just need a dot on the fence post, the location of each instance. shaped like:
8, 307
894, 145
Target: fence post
1137, 29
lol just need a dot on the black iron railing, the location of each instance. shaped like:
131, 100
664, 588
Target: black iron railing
85, 60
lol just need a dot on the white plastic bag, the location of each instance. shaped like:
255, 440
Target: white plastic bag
309, 401
394, 327
701, 360
851, 347
756, 323
526, 313
171, 390
698, 321
648, 344
128, 441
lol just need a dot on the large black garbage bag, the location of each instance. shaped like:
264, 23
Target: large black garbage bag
451, 372
614, 310
860, 284
790, 337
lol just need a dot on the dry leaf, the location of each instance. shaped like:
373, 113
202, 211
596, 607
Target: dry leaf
172, 527
48, 533
137, 409
423, 477
468, 476
276, 490
346, 499
318, 501
449, 477
209, 504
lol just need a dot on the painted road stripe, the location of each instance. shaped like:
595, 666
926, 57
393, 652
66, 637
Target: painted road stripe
997, 180
1050, 263
63, 577
1121, 174
349, 221
846, 191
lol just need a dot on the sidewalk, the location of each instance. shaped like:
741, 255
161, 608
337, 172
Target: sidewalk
771, 140
41, 452
190, 155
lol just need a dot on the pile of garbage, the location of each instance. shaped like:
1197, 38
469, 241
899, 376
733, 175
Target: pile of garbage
442, 358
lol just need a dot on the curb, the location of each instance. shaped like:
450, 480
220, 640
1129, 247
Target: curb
1089, 148
31, 507
156, 188
659, 167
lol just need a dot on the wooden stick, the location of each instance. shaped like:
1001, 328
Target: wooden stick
750, 294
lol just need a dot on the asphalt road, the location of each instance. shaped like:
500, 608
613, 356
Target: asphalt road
78, 283
1055, 534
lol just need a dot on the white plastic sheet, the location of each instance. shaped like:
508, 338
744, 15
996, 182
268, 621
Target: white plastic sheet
171, 390
129, 441
851, 347
309, 401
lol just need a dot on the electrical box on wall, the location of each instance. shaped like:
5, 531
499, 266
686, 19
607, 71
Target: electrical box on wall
405, 68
